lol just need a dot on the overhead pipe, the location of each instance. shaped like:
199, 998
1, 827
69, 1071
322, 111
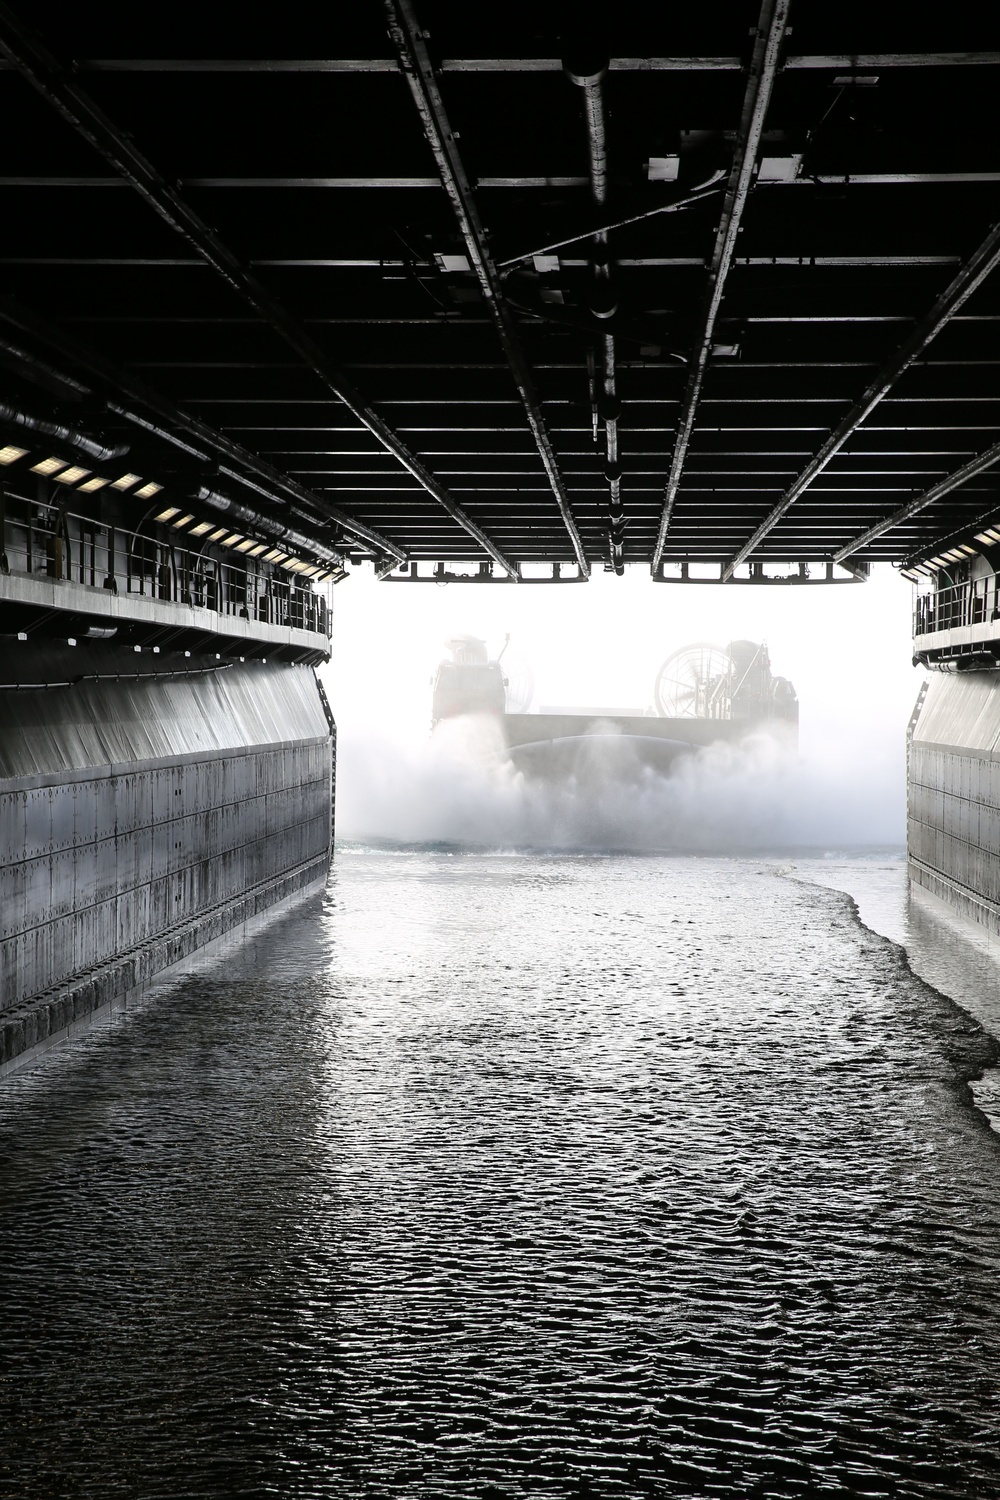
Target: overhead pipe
65, 387
415, 63
208, 446
68, 437
764, 61
588, 74
278, 481
705, 189
59, 88
971, 275
245, 515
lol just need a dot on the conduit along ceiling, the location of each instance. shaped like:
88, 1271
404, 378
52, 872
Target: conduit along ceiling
522, 293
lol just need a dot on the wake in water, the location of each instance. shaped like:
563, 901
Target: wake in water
460, 785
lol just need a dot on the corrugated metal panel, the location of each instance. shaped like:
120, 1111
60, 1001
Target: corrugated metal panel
118, 850
961, 708
107, 723
954, 791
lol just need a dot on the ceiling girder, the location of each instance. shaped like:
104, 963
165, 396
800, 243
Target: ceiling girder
341, 222
60, 90
972, 274
937, 491
418, 70
857, 61
512, 180
221, 450
760, 79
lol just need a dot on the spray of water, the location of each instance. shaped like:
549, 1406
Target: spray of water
460, 785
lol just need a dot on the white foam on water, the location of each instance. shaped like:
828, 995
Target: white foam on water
460, 784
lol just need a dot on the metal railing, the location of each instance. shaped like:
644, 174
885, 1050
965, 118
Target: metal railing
976, 602
47, 539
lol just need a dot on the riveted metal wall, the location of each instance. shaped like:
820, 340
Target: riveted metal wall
102, 855
953, 825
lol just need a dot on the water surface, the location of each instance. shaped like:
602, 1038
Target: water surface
502, 1176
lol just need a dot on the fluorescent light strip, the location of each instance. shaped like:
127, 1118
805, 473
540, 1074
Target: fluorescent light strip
183, 520
200, 529
125, 482
10, 454
245, 546
168, 514
232, 539
48, 466
93, 484
72, 474
148, 491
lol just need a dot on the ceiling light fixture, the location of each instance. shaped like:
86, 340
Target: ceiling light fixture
72, 474
10, 454
148, 491
125, 482
48, 466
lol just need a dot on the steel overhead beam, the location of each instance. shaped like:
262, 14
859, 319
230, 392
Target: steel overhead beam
854, 62
63, 93
762, 72
972, 274
986, 519
418, 70
172, 421
936, 492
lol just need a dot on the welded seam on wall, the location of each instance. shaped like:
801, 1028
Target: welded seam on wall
111, 980
75, 106
416, 65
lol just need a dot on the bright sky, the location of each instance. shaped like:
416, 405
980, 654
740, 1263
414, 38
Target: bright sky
845, 647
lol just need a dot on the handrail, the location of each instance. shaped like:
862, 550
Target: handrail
43, 537
975, 602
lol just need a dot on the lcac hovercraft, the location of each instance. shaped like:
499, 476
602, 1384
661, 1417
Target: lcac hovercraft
703, 694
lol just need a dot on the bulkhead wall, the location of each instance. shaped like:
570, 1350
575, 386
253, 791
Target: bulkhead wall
953, 793
140, 819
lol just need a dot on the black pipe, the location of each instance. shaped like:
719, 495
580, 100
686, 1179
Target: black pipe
245, 514
69, 437
588, 73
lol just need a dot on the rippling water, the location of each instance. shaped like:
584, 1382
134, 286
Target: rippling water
511, 1176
